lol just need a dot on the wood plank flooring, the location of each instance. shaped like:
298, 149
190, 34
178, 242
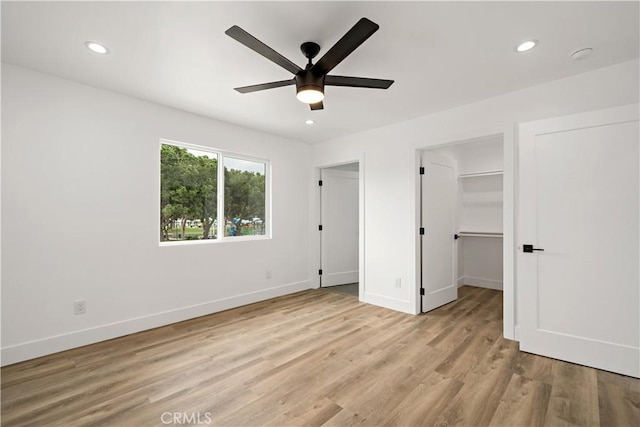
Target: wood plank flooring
318, 358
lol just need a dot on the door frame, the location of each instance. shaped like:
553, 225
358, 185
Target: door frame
317, 241
509, 211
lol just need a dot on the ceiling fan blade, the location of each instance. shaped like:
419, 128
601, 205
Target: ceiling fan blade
317, 106
256, 45
357, 35
264, 86
357, 82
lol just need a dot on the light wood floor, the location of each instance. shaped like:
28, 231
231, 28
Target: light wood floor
319, 358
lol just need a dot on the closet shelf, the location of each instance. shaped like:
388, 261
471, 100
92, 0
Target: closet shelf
478, 174
478, 234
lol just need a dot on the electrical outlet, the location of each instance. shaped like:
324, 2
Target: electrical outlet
268, 274
398, 282
79, 306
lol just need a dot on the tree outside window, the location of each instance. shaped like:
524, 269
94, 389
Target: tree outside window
244, 197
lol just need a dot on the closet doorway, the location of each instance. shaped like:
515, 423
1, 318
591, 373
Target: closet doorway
339, 228
461, 219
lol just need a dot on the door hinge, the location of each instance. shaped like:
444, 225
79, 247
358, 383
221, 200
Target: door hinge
421, 170
421, 291
456, 237
421, 231
320, 183
320, 272
320, 227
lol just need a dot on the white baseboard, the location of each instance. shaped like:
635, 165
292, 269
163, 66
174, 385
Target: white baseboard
480, 282
331, 279
388, 302
54, 344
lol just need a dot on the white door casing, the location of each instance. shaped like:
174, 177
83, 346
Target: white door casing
439, 199
579, 201
339, 207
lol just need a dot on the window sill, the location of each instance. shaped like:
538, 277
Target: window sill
215, 241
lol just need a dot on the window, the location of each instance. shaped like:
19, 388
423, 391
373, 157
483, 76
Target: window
244, 197
200, 202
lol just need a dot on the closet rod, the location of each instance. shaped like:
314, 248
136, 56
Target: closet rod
479, 234
487, 173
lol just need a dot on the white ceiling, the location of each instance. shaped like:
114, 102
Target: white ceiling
440, 54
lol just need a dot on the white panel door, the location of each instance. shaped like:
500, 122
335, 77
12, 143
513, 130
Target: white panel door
339, 235
579, 196
439, 196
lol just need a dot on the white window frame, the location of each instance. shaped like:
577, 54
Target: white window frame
222, 154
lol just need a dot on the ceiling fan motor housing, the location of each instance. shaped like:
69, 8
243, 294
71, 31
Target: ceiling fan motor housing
307, 80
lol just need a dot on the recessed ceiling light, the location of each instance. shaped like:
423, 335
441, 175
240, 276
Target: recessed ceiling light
309, 122
525, 46
96, 47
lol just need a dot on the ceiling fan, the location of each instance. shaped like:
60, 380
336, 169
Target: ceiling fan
311, 80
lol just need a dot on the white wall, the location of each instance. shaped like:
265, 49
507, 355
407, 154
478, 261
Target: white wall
389, 164
482, 262
80, 206
482, 206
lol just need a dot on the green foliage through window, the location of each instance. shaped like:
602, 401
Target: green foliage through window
189, 191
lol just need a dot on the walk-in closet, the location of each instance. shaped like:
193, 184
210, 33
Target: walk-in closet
462, 210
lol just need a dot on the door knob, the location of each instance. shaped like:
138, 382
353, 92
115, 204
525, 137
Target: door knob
530, 248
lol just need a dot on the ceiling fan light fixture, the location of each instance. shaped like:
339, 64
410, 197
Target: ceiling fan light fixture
310, 94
